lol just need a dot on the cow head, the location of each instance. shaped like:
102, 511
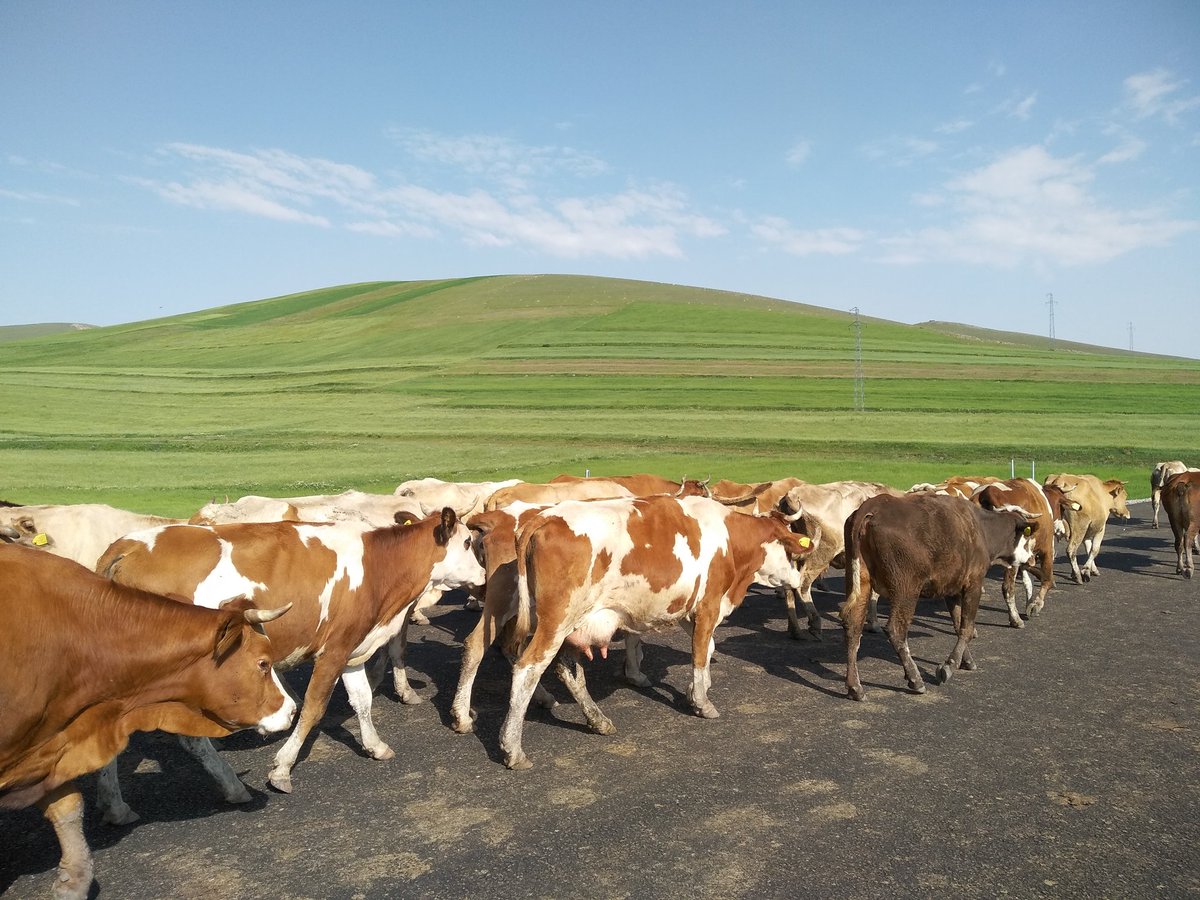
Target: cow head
782, 551
24, 532
1116, 490
1022, 528
241, 690
460, 567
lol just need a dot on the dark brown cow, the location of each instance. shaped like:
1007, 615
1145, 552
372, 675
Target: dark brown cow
352, 591
924, 545
84, 663
1181, 499
591, 569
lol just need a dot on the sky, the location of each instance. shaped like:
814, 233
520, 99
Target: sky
999, 164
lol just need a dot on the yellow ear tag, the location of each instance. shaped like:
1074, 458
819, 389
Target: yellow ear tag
40, 540
1028, 531
408, 521
805, 542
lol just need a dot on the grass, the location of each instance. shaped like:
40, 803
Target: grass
528, 376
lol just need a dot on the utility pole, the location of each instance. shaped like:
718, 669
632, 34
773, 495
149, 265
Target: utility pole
1050, 304
1130, 335
860, 396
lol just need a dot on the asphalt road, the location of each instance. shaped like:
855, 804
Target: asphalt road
1068, 765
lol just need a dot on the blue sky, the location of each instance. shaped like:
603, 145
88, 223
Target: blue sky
919, 160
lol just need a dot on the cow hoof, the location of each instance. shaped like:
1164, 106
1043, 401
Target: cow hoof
1032, 611
125, 816
855, 692
411, 698
1018, 622
68, 886
238, 794
418, 619
518, 760
918, 687
638, 680
707, 711
382, 752
463, 724
968, 665
281, 781
603, 726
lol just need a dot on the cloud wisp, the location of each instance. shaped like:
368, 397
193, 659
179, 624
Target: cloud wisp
500, 207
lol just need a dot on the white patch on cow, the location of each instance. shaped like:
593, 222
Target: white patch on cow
777, 570
281, 719
347, 545
224, 580
459, 567
1023, 552
147, 536
379, 635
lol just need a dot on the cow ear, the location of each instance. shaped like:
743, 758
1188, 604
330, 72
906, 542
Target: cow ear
229, 635
445, 528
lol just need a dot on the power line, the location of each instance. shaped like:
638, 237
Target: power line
860, 394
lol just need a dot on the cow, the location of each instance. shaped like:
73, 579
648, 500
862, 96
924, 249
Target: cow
1085, 525
956, 485
77, 531
84, 663
370, 510
549, 494
824, 509
924, 545
1158, 477
1050, 503
1181, 497
646, 485
352, 591
431, 495
588, 570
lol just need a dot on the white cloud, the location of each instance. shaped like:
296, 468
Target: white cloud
899, 150
503, 210
1022, 109
799, 152
1129, 148
37, 197
1155, 94
1029, 206
954, 127
806, 242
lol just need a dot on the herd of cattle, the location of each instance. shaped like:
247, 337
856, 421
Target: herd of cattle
114, 622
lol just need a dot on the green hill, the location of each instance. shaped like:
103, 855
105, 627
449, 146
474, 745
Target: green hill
366, 385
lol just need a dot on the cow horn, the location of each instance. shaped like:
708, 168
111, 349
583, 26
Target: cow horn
8, 533
258, 616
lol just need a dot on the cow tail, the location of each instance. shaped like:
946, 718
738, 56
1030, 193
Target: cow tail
856, 527
106, 566
524, 622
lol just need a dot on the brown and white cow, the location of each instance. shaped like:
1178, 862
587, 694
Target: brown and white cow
1050, 504
924, 545
84, 663
77, 531
432, 495
1086, 525
351, 592
1181, 498
589, 570
955, 486
1158, 477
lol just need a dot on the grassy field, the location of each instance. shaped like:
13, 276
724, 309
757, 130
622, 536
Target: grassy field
528, 376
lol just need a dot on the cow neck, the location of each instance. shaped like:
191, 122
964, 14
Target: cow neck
398, 561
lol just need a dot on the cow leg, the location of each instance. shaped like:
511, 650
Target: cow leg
569, 669
897, 629
1045, 574
1008, 590
221, 772
1156, 504
1093, 546
1072, 551
109, 800
426, 600
853, 611
320, 685
633, 661
526, 675
397, 648
702, 626
358, 687
482, 636
964, 625
63, 808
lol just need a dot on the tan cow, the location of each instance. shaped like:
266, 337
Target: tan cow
84, 663
646, 485
353, 507
76, 531
432, 495
1096, 499
589, 570
549, 494
351, 592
